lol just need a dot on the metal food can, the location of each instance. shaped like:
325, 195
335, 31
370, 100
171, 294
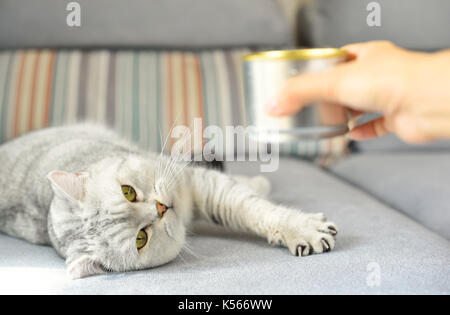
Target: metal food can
264, 75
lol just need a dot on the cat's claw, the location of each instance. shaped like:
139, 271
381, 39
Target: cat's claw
308, 250
308, 234
326, 246
332, 230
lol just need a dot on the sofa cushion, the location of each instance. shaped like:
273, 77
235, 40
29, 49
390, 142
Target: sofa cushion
143, 23
416, 184
379, 250
414, 24
137, 92
391, 143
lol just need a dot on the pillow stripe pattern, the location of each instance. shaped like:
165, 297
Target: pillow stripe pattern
140, 93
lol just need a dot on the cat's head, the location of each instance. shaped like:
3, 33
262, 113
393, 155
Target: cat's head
123, 214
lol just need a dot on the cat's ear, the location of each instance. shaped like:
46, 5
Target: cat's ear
84, 267
71, 185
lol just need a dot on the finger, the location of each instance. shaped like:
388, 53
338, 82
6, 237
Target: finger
373, 129
355, 50
355, 113
414, 129
353, 116
360, 50
436, 127
349, 83
305, 89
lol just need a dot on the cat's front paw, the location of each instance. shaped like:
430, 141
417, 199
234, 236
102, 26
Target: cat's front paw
306, 234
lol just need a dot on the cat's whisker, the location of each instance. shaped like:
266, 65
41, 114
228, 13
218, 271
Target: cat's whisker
174, 162
169, 167
187, 251
169, 134
176, 179
184, 260
176, 176
187, 248
159, 159
160, 138
172, 165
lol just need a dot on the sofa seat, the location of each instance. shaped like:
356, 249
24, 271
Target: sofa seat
416, 183
379, 250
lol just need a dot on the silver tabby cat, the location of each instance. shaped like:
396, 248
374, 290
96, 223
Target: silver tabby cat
106, 206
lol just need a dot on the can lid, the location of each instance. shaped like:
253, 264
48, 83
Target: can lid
296, 54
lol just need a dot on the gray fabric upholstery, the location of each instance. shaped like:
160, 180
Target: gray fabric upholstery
149, 23
416, 184
392, 143
415, 24
411, 259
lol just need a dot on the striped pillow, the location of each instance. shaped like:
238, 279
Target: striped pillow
139, 93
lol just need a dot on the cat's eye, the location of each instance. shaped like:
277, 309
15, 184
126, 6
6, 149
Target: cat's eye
129, 193
161, 208
141, 239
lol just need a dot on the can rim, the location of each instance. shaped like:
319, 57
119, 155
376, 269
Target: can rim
296, 54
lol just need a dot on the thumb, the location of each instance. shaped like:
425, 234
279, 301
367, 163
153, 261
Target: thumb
373, 129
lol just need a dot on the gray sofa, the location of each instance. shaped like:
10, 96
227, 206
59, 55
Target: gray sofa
390, 200
379, 250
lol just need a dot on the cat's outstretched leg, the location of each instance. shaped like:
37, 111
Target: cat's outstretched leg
227, 201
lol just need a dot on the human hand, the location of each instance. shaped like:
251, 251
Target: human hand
410, 89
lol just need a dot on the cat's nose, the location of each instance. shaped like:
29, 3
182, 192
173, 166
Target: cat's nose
161, 208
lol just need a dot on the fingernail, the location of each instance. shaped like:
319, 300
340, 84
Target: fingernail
272, 105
